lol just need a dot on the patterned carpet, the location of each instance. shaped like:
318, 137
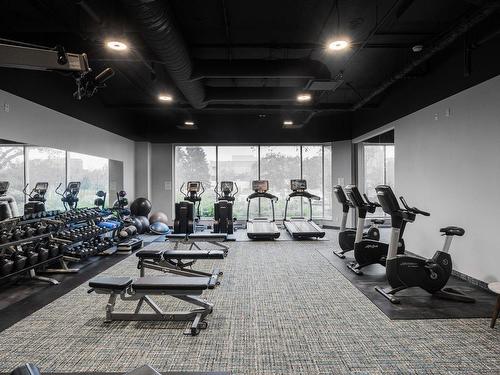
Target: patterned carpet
281, 309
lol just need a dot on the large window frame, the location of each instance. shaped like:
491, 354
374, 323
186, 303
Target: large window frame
326, 186
25, 167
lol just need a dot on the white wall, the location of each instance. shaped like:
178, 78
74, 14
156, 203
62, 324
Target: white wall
31, 123
162, 178
341, 175
450, 165
143, 169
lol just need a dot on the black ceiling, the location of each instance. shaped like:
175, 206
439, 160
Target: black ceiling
235, 67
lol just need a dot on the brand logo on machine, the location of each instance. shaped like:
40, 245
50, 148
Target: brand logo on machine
371, 246
408, 264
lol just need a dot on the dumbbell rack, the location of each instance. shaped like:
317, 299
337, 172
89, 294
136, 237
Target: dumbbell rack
30, 269
66, 259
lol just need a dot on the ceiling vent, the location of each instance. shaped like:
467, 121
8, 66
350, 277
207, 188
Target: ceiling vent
323, 84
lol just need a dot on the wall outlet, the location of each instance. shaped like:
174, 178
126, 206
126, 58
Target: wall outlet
168, 185
447, 113
6, 107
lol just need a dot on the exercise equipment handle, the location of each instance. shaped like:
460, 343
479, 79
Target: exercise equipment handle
57, 189
374, 204
415, 210
182, 191
202, 189
236, 186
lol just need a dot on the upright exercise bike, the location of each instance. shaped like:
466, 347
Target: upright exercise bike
347, 236
223, 207
36, 198
69, 196
406, 271
367, 251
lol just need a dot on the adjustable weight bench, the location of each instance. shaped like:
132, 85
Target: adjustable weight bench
177, 261
193, 238
128, 289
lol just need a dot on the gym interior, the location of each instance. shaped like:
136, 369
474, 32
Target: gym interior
249, 187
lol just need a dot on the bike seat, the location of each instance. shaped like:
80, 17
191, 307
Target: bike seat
453, 231
377, 221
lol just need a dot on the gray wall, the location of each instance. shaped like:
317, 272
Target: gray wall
143, 169
162, 178
31, 123
448, 162
115, 179
341, 175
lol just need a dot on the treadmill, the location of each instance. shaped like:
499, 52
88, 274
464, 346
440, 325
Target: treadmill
299, 227
261, 228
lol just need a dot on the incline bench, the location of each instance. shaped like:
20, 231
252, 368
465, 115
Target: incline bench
128, 289
193, 238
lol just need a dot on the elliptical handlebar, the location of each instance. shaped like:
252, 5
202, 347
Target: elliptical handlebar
202, 189
180, 189
414, 210
24, 191
236, 186
369, 202
57, 190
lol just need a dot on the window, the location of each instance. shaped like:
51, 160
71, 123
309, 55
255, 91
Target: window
327, 182
378, 169
312, 172
239, 164
197, 163
92, 172
46, 165
243, 164
280, 164
12, 170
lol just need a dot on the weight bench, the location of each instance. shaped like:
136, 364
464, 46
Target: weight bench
193, 238
128, 289
177, 261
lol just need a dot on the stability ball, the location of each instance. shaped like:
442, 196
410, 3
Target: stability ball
158, 217
140, 207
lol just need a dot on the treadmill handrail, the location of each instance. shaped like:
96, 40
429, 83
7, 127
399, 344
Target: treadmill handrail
310, 197
262, 195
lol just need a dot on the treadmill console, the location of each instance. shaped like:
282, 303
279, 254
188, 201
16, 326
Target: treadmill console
193, 186
226, 186
4, 187
260, 186
298, 185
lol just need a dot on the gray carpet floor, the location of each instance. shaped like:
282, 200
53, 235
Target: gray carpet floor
281, 309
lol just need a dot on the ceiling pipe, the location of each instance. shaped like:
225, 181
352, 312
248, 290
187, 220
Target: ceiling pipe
297, 68
461, 28
156, 21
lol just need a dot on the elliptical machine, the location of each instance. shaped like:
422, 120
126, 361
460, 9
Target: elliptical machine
223, 207
368, 251
347, 236
8, 205
406, 271
69, 196
185, 221
36, 198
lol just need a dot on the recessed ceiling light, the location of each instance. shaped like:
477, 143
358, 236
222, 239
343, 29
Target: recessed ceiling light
165, 97
338, 45
304, 97
116, 45
287, 122
417, 48
189, 123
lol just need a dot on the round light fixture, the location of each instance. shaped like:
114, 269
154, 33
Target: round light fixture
338, 45
305, 97
165, 98
116, 45
417, 48
188, 123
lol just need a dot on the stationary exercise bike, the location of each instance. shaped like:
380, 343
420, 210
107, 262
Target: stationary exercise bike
347, 236
406, 271
223, 207
69, 196
367, 251
36, 198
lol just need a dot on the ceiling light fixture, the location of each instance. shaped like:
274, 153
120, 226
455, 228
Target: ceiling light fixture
338, 45
287, 122
189, 123
417, 48
304, 97
116, 45
165, 98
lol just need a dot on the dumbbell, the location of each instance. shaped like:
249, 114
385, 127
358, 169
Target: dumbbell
31, 257
43, 254
6, 266
19, 261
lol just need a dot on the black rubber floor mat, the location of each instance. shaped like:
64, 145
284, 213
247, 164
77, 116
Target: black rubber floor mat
415, 302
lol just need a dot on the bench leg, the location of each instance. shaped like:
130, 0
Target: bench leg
496, 312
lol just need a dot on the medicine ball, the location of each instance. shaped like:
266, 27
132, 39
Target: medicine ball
145, 224
136, 222
158, 217
159, 228
140, 207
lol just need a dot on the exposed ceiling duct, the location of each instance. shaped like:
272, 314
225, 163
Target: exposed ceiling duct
155, 19
461, 28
